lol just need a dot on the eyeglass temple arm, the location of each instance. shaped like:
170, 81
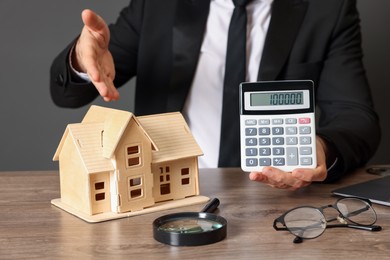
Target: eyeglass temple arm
350, 214
361, 227
357, 212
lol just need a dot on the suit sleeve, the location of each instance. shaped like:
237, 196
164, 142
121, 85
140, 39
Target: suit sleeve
65, 90
347, 119
69, 91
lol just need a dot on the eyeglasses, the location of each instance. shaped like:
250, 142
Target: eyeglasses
307, 222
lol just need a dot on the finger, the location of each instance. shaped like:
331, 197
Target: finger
283, 180
257, 176
106, 90
103, 82
267, 176
108, 73
103, 90
113, 93
93, 21
108, 78
96, 26
275, 176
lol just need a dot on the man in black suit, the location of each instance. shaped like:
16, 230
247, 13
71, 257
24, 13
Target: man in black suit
162, 43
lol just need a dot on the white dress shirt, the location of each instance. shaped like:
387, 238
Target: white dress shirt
203, 107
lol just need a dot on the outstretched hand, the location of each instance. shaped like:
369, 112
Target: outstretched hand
298, 178
91, 55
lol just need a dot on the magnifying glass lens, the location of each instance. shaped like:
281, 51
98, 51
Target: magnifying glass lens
189, 229
190, 226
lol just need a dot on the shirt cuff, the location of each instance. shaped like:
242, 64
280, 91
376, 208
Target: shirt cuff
76, 75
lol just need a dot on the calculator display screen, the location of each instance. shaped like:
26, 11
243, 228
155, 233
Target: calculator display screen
277, 100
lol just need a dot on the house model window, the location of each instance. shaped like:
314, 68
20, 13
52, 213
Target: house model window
100, 192
133, 155
185, 176
135, 187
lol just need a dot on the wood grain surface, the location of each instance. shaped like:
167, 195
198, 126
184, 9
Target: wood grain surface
32, 228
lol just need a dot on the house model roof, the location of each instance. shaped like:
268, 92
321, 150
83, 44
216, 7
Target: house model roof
99, 133
87, 138
172, 136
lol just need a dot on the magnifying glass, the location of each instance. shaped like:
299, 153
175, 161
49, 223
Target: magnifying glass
191, 228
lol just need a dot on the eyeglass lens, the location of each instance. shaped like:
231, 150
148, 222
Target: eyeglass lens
305, 222
310, 222
357, 211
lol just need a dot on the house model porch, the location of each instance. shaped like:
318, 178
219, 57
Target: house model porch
114, 165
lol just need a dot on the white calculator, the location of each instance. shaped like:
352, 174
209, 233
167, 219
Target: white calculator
277, 125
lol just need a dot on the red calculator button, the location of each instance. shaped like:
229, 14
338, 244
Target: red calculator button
304, 120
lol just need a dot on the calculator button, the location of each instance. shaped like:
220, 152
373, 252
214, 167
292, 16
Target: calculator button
265, 141
265, 161
291, 140
304, 130
292, 156
251, 162
264, 122
265, 151
250, 131
278, 151
250, 122
305, 150
304, 120
279, 161
250, 151
305, 140
290, 121
278, 141
291, 130
277, 121
277, 130
250, 141
264, 131
306, 161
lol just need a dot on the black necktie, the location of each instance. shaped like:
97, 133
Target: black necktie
229, 149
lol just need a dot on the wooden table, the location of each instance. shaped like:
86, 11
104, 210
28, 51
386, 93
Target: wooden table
31, 228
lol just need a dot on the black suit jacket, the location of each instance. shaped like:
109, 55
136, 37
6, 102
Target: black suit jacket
159, 42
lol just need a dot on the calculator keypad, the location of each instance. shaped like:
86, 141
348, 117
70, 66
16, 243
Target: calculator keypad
285, 142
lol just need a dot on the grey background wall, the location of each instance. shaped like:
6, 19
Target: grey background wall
33, 32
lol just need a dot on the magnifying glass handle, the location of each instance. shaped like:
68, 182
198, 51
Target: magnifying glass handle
211, 206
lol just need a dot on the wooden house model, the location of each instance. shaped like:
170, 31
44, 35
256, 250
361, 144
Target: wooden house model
114, 164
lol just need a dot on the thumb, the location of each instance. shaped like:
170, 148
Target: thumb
96, 26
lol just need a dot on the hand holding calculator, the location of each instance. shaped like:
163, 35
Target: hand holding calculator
277, 125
